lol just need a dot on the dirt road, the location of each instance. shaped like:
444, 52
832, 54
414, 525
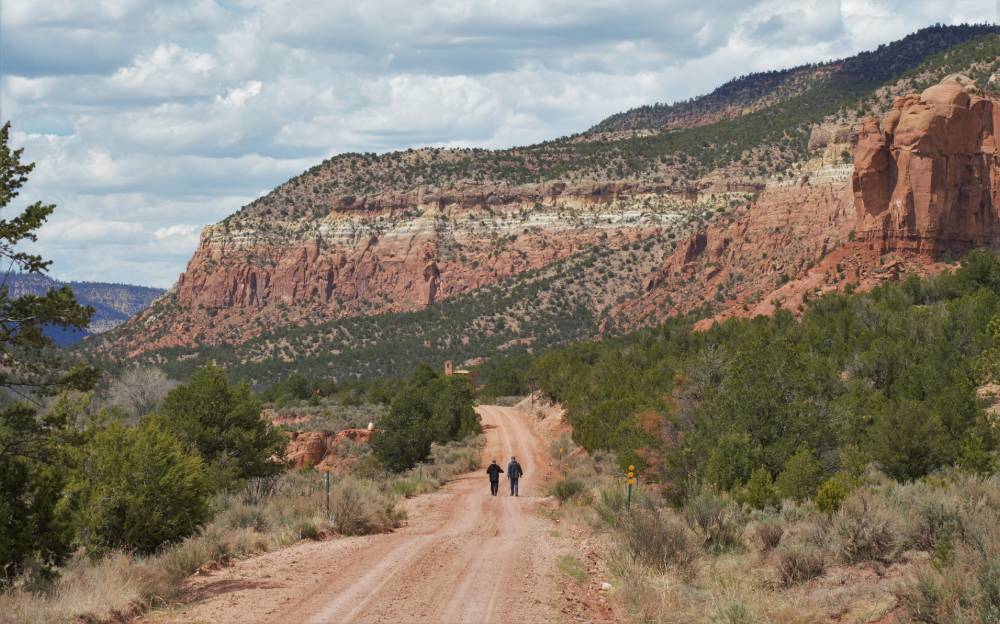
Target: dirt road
464, 556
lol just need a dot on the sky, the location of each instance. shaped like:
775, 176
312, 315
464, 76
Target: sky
150, 119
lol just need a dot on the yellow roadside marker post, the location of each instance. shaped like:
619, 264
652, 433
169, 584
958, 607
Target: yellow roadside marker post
631, 482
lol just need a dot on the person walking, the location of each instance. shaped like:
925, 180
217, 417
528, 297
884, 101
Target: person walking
514, 472
494, 471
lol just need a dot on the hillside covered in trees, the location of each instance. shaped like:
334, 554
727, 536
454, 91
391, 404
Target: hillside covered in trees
892, 376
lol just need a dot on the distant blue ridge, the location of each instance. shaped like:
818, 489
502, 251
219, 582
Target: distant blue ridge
112, 303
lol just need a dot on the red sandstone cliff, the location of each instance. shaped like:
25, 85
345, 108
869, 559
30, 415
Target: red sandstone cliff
928, 177
925, 179
250, 273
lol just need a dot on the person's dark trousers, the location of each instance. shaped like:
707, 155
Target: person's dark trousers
494, 486
513, 487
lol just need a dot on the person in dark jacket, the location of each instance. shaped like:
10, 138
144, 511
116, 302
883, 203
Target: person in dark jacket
494, 471
514, 472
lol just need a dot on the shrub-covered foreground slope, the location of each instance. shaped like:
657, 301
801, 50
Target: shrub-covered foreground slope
838, 467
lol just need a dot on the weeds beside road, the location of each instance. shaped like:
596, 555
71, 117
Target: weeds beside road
925, 551
264, 516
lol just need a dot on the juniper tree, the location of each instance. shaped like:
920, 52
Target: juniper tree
32, 457
28, 363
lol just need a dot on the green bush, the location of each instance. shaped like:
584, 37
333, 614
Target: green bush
730, 462
32, 451
567, 488
832, 493
430, 408
801, 476
759, 492
976, 457
137, 488
32, 525
223, 423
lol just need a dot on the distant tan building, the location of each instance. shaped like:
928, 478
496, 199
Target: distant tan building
450, 370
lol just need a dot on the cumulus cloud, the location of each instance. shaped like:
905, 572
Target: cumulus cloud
74, 231
151, 119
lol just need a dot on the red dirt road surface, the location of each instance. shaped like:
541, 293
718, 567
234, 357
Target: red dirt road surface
464, 556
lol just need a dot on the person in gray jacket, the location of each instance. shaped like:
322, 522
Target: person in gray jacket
514, 472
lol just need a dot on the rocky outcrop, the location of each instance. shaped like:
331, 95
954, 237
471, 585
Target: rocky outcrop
927, 178
824, 135
357, 436
318, 449
735, 265
307, 448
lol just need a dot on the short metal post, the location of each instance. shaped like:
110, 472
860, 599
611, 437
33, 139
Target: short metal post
327, 494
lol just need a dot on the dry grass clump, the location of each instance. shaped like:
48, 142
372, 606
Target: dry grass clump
266, 514
717, 519
110, 588
358, 508
936, 543
610, 505
689, 565
733, 613
931, 513
455, 458
798, 563
767, 535
413, 485
657, 539
447, 461
962, 583
864, 529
